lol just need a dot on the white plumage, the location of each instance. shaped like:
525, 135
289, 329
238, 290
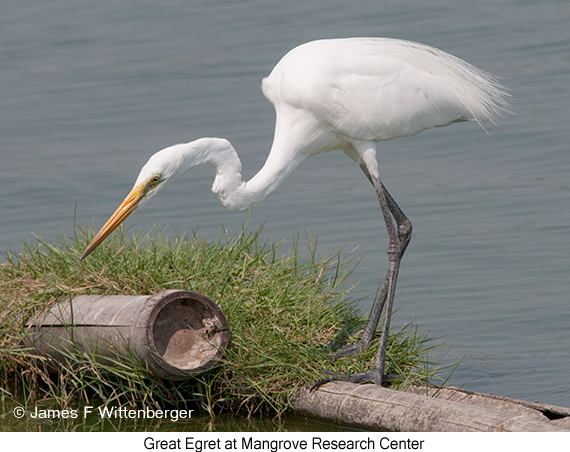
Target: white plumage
379, 89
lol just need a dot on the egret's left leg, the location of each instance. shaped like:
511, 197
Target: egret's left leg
396, 251
399, 234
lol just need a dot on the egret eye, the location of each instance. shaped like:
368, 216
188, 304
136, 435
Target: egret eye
155, 179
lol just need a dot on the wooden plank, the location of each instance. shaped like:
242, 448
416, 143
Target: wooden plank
376, 408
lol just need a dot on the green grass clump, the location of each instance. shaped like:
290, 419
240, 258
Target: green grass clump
284, 312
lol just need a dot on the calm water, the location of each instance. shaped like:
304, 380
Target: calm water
89, 90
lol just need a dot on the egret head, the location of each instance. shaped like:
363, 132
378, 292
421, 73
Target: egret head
165, 166
158, 172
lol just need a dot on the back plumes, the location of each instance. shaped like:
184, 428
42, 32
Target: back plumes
376, 89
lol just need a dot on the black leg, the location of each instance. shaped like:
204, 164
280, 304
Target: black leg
399, 235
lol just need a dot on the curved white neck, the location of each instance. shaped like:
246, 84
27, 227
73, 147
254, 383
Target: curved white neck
233, 192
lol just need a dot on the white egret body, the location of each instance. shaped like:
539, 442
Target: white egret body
339, 94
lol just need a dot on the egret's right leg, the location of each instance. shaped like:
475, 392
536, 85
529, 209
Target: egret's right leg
404, 233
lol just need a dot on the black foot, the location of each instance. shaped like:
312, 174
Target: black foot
373, 376
348, 350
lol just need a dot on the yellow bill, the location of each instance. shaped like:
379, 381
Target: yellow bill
127, 207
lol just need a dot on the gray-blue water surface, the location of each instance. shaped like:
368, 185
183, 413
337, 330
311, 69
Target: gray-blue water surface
89, 90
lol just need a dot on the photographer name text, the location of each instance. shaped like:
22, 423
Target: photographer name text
111, 412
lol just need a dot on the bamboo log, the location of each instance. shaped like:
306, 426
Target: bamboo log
537, 410
176, 334
376, 408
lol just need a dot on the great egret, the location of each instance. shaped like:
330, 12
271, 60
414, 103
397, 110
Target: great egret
338, 94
